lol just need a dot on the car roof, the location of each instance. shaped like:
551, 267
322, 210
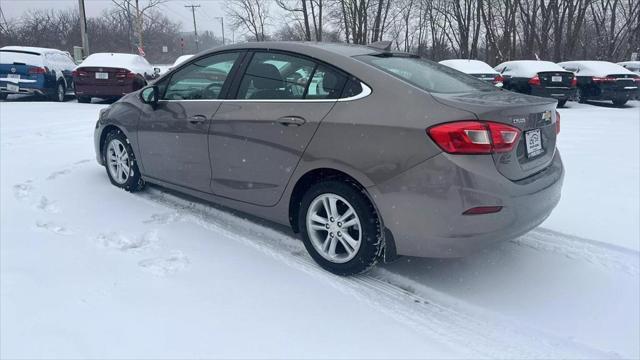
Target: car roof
469, 66
303, 47
596, 68
39, 50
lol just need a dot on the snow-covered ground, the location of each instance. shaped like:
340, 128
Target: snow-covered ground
90, 271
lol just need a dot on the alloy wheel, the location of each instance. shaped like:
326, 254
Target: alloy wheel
334, 228
118, 161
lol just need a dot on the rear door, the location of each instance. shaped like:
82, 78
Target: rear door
257, 138
173, 136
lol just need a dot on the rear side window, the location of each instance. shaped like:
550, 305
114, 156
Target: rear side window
326, 83
20, 58
426, 75
275, 76
202, 79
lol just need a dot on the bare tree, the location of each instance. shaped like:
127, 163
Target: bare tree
249, 15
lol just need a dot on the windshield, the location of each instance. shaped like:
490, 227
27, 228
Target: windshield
426, 75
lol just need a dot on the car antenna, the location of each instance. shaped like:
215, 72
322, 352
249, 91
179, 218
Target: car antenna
385, 46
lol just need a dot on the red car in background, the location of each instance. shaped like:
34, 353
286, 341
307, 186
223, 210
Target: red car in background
111, 75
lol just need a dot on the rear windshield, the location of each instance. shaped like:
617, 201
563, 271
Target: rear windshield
20, 58
426, 75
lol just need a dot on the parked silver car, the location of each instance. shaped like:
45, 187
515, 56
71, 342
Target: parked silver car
367, 153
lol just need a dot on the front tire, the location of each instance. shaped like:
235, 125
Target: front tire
120, 162
60, 93
340, 228
579, 97
84, 99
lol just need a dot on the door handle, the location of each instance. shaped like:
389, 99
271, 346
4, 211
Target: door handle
291, 121
197, 119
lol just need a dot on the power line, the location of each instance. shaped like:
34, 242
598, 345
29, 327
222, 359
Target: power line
195, 27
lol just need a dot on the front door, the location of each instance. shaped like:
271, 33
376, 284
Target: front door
173, 136
258, 137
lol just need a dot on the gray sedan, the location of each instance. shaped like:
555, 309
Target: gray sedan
367, 153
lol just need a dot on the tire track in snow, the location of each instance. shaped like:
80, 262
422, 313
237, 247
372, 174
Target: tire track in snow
474, 331
606, 255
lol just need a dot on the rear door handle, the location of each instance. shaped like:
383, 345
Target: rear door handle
291, 121
197, 119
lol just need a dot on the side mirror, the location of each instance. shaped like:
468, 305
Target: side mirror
150, 95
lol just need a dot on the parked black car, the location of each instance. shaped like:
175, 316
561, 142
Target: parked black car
602, 80
539, 78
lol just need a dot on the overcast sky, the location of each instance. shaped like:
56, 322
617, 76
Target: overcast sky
174, 9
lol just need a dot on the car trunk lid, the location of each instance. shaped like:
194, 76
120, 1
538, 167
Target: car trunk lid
535, 118
555, 78
102, 76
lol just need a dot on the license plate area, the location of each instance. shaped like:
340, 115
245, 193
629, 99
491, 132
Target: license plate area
533, 142
13, 87
556, 79
102, 75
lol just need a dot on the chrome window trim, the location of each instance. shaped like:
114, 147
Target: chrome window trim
366, 91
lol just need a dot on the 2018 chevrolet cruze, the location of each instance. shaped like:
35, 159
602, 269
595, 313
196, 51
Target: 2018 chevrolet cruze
367, 153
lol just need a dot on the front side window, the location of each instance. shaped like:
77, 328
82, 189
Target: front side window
427, 75
202, 79
275, 76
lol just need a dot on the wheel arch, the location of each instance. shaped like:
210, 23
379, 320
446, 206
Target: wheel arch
317, 175
103, 136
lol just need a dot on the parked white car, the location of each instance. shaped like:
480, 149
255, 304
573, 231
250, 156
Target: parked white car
180, 60
476, 68
34, 70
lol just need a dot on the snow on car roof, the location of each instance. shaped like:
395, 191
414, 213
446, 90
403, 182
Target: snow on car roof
134, 63
527, 68
33, 49
182, 59
595, 68
469, 66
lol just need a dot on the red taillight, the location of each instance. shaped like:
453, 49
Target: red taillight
574, 82
79, 73
534, 80
557, 123
480, 210
474, 137
498, 79
36, 70
597, 79
125, 74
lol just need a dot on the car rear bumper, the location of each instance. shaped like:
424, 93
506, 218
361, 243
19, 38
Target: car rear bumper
104, 91
616, 94
423, 207
560, 93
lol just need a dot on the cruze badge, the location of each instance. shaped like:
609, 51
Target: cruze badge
519, 120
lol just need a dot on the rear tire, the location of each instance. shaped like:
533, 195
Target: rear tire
579, 97
562, 103
619, 102
120, 162
3, 96
348, 238
84, 99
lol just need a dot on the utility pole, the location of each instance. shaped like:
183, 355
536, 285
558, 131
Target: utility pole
222, 22
139, 23
195, 28
83, 29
